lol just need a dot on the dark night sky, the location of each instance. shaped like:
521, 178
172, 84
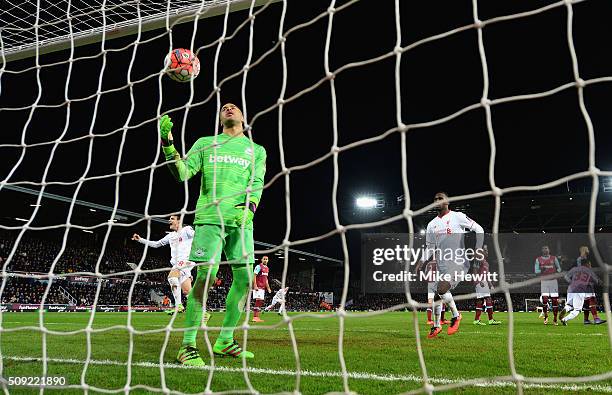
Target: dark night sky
537, 140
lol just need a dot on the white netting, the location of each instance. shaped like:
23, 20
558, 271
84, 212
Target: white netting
41, 23
44, 26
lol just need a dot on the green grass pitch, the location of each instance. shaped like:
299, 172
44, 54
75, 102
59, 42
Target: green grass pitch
380, 353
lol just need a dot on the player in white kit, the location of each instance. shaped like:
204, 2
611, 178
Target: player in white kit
445, 234
278, 298
581, 279
179, 239
430, 269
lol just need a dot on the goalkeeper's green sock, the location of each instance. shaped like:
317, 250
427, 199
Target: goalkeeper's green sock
234, 303
193, 312
193, 318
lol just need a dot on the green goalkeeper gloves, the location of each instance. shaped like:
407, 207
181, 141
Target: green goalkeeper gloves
240, 216
165, 131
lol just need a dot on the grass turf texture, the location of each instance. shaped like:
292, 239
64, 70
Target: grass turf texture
380, 353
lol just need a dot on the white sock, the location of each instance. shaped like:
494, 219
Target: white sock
448, 299
571, 315
437, 311
176, 292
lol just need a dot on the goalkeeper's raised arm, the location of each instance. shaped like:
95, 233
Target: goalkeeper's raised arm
227, 162
181, 169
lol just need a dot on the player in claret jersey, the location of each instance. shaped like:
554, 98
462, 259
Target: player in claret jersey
581, 279
590, 298
230, 164
547, 264
260, 285
483, 290
445, 234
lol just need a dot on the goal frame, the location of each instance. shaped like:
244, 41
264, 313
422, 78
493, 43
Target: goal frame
125, 28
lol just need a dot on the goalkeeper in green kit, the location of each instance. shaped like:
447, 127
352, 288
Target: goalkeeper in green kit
227, 172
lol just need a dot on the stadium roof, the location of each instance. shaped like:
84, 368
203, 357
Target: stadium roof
556, 212
19, 204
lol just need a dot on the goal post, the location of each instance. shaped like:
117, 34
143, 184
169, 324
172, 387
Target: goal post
115, 19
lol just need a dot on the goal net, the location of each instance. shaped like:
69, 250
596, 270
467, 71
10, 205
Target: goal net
348, 89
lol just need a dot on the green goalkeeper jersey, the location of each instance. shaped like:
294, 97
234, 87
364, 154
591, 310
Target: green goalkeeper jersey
232, 163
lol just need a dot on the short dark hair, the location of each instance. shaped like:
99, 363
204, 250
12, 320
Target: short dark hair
442, 192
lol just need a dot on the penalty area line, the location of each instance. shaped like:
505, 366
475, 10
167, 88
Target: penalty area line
485, 332
322, 374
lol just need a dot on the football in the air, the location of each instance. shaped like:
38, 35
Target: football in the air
182, 65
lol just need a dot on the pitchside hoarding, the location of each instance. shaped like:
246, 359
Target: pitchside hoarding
17, 307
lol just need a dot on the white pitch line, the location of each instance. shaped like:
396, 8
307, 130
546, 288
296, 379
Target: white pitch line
483, 332
324, 374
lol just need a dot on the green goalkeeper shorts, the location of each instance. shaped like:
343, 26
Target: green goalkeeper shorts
209, 240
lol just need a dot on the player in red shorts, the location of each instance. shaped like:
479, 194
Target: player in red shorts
260, 285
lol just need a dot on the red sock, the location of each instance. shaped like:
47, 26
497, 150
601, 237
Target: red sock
478, 309
429, 314
593, 306
555, 303
489, 308
586, 309
545, 306
258, 304
442, 314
